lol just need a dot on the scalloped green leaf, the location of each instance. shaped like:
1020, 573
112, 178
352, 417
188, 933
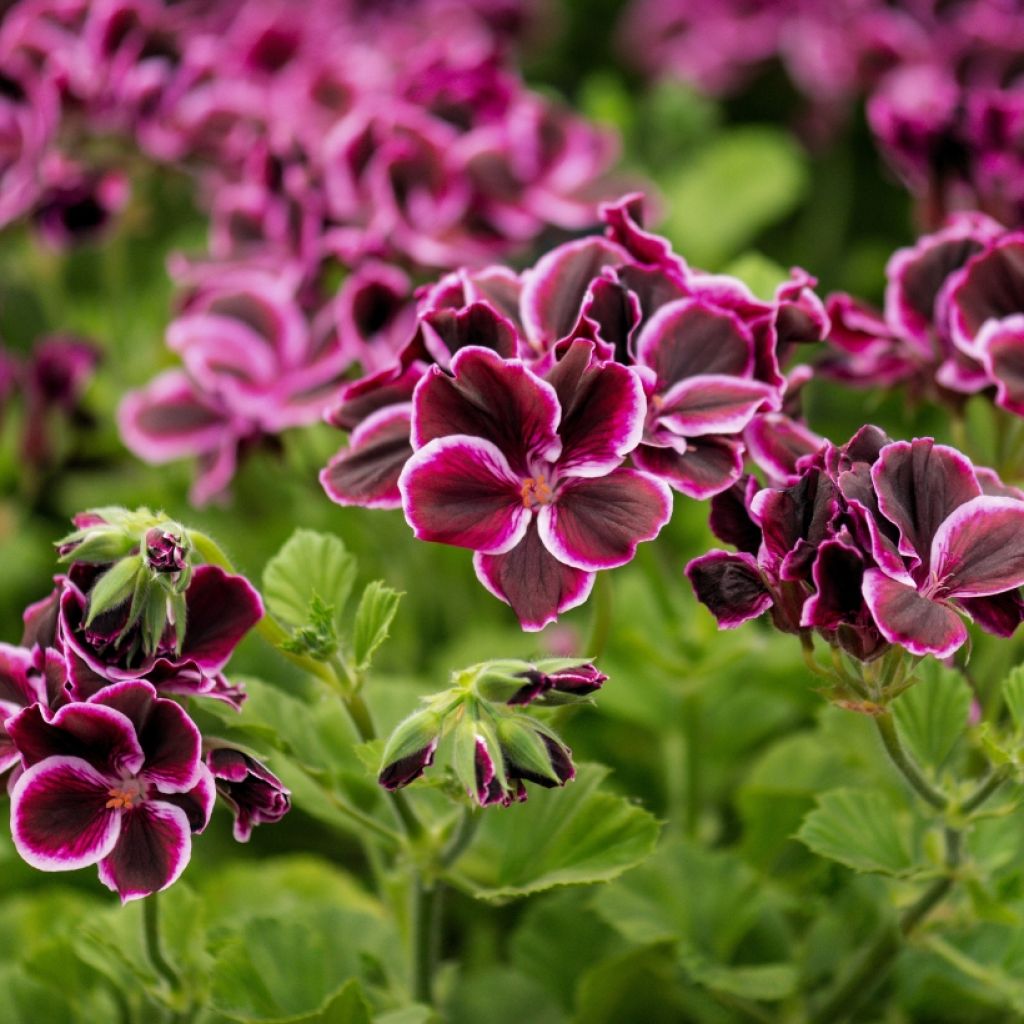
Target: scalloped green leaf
932, 715
861, 829
576, 835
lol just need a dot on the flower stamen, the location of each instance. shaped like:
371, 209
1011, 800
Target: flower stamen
536, 491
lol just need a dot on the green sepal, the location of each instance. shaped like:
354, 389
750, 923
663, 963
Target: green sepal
114, 587
97, 545
463, 760
412, 734
521, 743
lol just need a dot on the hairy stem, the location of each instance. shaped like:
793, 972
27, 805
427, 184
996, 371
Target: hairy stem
426, 930
151, 934
886, 726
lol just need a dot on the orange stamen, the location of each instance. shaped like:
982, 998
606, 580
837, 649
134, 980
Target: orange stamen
120, 799
536, 491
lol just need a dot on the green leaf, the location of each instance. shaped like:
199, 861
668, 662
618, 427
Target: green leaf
576, 835
500, 995
302, 967
374, 615
417, 1014
1013, 695
767, 982
737, 185
308, 564
858, 828
932, 715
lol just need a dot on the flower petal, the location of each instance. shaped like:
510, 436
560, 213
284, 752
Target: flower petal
688, 338
366, 473
59, 817
999, 614
775, 442
152, 851
979, 549
838, 574
536, 584
906, 618
1001, 345
221, 609
712, 404
498, 399
919, 483
460, 490
198, 802
708, 466
729, 585
597, 523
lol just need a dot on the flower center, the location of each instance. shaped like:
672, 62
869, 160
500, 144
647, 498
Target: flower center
536, 491
124, 796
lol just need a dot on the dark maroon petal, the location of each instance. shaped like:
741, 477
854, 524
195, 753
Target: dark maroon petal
979, 549
999, 614
838, 574
795, 521
712, 404
625, 218
152, 851
198, 802
447, 331
103, 737
597, 523
497, 399
990, 287
20, 685
256, 796
775, 442
1001, 344
729, 584
709, 465
603, 408
614, 313
905, 617
221, 610
730, 515
364, 397
919, 484
461, 490
40, 620
59, 817
533, 582
554, 289
688, 338
366, 473
407, 769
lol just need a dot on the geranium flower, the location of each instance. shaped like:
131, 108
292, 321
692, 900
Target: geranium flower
116, 781
528, 473
253, 792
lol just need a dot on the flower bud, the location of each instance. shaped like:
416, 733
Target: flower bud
534, 753
253, 792
558, 681
410, 749
166, 551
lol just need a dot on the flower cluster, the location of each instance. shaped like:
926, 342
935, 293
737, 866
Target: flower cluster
945, 100
877, 543
953, 323
108, 768
491, 746
504, 424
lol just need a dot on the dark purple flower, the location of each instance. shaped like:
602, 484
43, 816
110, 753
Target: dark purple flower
166, 551
528, 473
116, 781
579, 680
254, 793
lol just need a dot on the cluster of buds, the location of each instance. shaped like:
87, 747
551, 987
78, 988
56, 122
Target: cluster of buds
107, 766
491, 746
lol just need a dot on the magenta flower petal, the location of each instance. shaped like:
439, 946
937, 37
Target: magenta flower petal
999, 614
366, 473
688, 338
919, 484
102, 736
907, 618
533, 582
838, 574
461, 490
712, 404
597, 523
989, 287
708, 466
59, 817
447, 331
1001, 346
154, 848
730, 586
221, 610
198, 802
168, 419
979, 549
603, 408
555, 287
493, 398
168, 736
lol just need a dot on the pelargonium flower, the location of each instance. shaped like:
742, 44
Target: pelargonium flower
118, 781
708, 352
878, 542
21, 685
76, 205
527, 472
253, 792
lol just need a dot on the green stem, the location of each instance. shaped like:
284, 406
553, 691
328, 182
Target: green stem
691, 707
461, 837
426, 930
886, 726
151, 933
985, 789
